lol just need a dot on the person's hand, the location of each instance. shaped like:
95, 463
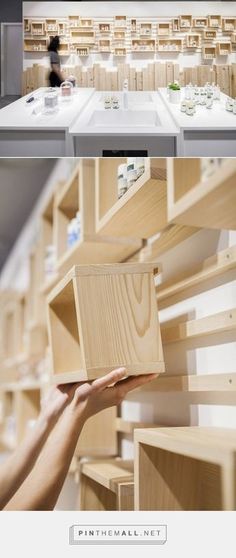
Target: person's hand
90, 398
55, 401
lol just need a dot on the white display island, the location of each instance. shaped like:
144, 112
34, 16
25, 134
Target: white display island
145, 122
208, 132
26, 131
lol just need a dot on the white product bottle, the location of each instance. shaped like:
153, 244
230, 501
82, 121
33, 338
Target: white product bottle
125, 94
122, 180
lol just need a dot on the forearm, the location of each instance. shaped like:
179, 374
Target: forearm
18, 466
42, 487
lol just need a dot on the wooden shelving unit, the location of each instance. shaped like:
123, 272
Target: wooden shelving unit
209, 34
86, 22
143, 45
211, 267
145, 29
185, 21
215, 21
192, 383
193, 41
120, 21
164, 28
21, 403
107, 485
78, 194
185, 468
62, 28
104, 28
99, 437
170, 45
128, 427
74, 21
83, 36
228, 24
223, 48
51, 26
145, 201
216, 323
83, 337
194, 202
120, 51
82, 51
175, 25
37, 28
200, 22
104, 45
208, 52
35, 45
133, 25
64, 48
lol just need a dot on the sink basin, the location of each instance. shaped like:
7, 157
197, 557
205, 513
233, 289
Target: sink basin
124, 118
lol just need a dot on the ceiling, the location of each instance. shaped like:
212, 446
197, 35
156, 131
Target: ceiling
21, 182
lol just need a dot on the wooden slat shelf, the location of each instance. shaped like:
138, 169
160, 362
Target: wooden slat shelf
216, 323
107, 485
192, 383
185, 468
141, 211
191, 201
168, 239
211, 267
114, 302
128, 427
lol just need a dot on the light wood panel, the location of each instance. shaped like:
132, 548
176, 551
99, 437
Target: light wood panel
103, 317
209, 204
98, 437
107, 485
185, 468
211, 267
216, 323
141, 211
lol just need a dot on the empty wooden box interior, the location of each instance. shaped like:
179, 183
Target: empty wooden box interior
104, 316
107, 485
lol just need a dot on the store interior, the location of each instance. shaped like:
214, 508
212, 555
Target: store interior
165, 228
127, 74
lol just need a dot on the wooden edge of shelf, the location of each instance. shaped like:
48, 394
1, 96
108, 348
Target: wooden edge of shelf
20, 386
93, 373
215, 265
215, 323
127, 426
63, 191
95, 471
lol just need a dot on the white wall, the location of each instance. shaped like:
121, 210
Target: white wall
106, 10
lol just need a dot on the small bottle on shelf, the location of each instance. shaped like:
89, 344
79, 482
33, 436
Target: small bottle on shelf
122, 180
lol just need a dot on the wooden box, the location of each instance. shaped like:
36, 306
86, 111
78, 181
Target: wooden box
106, 485
185, 468
101, 317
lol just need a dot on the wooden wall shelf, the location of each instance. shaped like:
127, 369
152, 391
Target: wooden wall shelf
143, 45
216, 323
223, 48
214, 21
164, 28
208, 52
107, 485
210, 203
209, 34
192, 383
229, 24
170, 45
139, 213
83, 334
128, 427
99, 437
185, 468
170, 237
211, 267
200, 22
22, 403
193, 41
37, 28
35, 45
185, 21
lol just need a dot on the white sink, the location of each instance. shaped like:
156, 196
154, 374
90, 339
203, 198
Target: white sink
124, 118
133, 97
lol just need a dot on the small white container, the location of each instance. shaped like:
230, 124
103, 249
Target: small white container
174, 96
190, 108
66, 88
107, 103
122, 180
183, 106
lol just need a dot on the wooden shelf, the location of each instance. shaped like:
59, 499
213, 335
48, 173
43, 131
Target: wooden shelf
209, 34
74, 21
79, 194
185, 21
104, 45
128, 427
141, 211
37, 28
86, 22
51, 26
120, 51
216, 323
35, 45
215, 21
175, 25
164, 28
185, 468
170, 45
191, 201
145, 29
211, 267
223, 48
192, 383
120, 21
104, 28
22, 403
208, 52
83, 337
99, 437
27, 25
83, 37
168, 239
193, 41
229, 24
107, 485
82, 51
200, 22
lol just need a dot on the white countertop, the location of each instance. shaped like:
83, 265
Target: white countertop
22, 116
216, 118
142, 101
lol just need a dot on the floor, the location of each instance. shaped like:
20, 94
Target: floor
8, 99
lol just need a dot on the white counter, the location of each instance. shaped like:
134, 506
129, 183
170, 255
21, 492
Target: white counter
26, 131
144, 124
209, 132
